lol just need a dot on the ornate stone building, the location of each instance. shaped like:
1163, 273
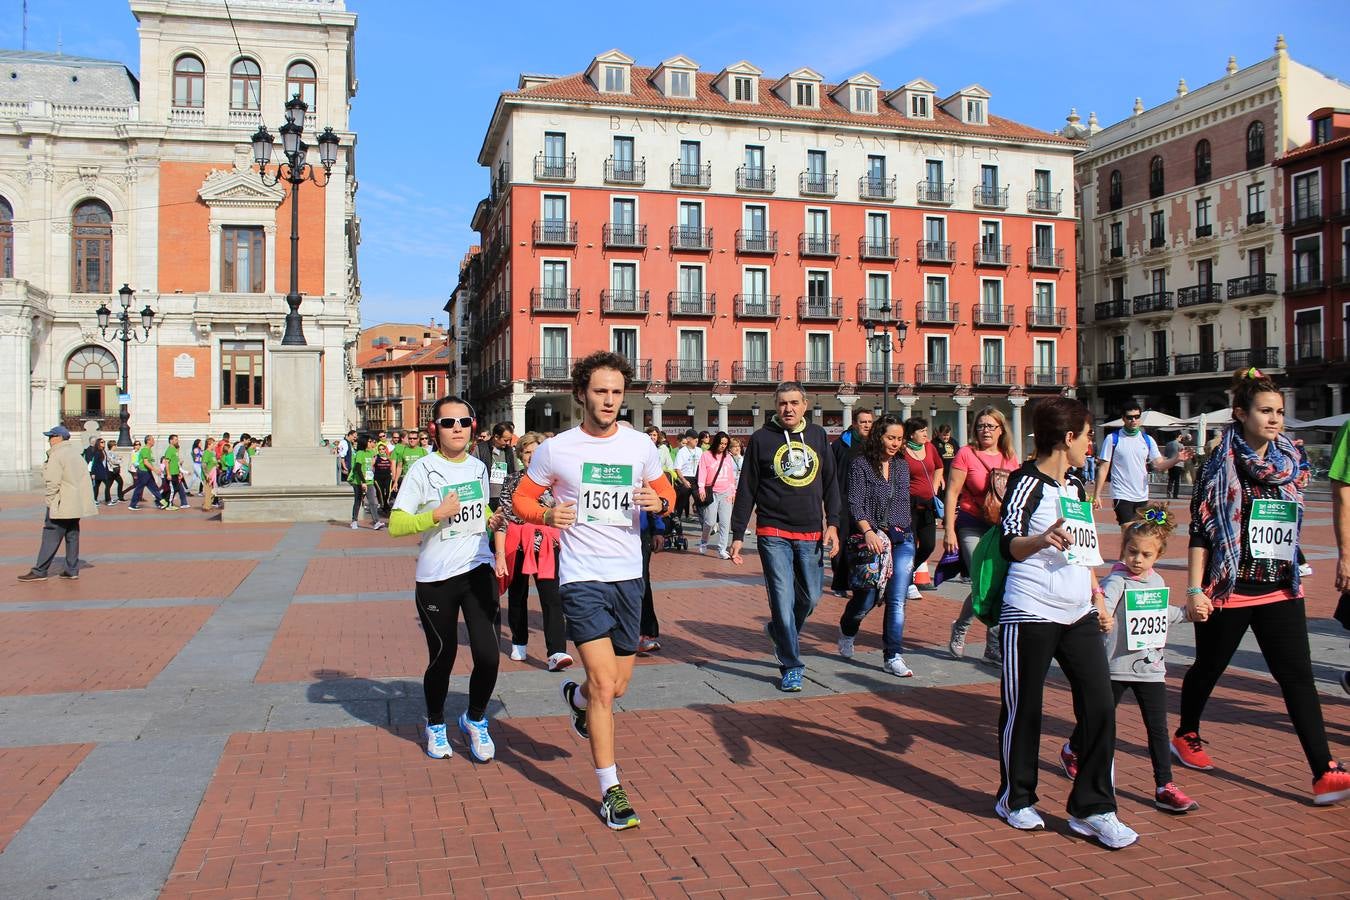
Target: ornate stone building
106, 180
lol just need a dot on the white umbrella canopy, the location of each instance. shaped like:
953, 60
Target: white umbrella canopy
1152, 419
1328, 422
1215, 419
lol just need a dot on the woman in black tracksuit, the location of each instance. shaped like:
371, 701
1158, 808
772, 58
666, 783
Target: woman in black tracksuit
1053, 610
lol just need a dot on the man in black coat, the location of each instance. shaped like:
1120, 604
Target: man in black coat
848, 445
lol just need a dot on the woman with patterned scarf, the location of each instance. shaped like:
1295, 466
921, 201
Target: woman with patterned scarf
1246, 514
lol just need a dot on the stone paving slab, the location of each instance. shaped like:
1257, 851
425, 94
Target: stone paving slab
32, 775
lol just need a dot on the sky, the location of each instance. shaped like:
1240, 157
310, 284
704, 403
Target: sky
430, 72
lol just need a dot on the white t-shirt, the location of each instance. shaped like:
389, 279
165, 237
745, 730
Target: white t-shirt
1044, 585
686, 461
1129, 456
595, 552
444, 557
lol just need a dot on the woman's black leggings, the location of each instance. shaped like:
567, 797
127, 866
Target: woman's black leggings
383, 482
550, 604
924, 520
1281, 631
438, 605
1152, 698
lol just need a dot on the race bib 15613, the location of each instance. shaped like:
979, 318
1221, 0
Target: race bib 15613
1086, 548
1272, 530
472, 516
606, 495
1146, 619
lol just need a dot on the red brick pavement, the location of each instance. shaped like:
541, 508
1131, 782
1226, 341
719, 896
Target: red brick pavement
122, 580
28, 776
867, 794
358, 574
92, 650
345, 539
94, 544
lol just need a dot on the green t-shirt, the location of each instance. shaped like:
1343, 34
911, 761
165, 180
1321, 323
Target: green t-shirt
145, 459
1340, 456
171, 457
208, 461
412, 455
363, 471
398, 453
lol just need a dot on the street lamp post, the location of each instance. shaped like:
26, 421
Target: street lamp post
879, 338
295, 170
126, 333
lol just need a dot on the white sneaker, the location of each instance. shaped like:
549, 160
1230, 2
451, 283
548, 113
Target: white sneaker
896, 666
1304, 570
438, 746
846, 647
1024, 819
722, 554
355, 527
1106, 828
702, 547
558, 661
476, 733
379, 525
913, 592
518, 652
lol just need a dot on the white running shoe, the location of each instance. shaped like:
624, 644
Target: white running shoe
355, 527
1024, 819
846, 646
480, 742
1106, 828
896, 666
518, 652
558, 661
913, 592
438, 746
702, 548
379, 525
1304, 570
722, 554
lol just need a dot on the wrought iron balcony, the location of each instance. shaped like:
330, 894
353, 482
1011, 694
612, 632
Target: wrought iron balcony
502, 181
631, 237
551, 299
625, 303
1156, 302
756, 179
1260, 357
992, 315
993, 376
1196, 363
878, 309
684, 175
936, 251
1199, 294
1256, 217
990, 196
753, 241
1117, 253
935, 192
1304, 213
691, 371
1157, 241
1045, 258
555, 233
989, 254
1204, 231
642, 370
1053, 377
939, 374
756, 306
625, 171
878, 374
687, 303
690, 237
817, 244
551, 370
874, 247
756, 371
1046, 317
874, 188
817, 184
1111, 371
1045, 201
1308, 352
820, 308
1112, 309
1251, 286
936, 312
820, 373
1155, 367
1304, 279
555, 168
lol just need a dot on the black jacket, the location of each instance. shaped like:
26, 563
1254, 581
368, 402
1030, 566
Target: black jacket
786, 480
484, 452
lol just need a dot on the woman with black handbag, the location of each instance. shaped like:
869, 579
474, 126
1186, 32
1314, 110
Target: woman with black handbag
715, 492
882, 547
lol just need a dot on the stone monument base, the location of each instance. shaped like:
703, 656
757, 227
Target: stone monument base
286, 503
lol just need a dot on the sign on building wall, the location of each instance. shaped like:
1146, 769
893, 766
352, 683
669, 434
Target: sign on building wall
184, 366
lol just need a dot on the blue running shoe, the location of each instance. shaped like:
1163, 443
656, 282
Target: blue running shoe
438, 745
792, 681
480, 742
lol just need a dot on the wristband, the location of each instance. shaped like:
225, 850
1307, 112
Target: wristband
1194, 591
1098, 592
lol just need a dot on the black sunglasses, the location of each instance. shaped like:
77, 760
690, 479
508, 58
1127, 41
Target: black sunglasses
462, 422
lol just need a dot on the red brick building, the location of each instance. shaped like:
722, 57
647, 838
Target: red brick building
401, 375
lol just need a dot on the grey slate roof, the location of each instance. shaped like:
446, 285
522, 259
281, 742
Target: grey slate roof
77, 80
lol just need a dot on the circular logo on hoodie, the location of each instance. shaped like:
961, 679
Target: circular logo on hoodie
796, 464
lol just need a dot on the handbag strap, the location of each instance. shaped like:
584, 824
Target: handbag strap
711, 484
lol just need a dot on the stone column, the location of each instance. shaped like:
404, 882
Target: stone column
657, 401
1017, 403
962, 415
520, 398
16, 402
724, 402
1184, 405
1290, 398
1336, 401
848, 401
907, 402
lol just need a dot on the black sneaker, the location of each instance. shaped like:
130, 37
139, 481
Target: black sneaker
70, 576
617, 812
569, 690
32, 576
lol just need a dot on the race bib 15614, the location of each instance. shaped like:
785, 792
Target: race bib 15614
1086, 548
606, 495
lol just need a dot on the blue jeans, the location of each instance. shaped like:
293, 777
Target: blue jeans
793, 574
145, 480
862, 602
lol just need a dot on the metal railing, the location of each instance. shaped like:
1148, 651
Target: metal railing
555, 233
935, 192
874, 247
1045, 201
820, 308
691, 371
1260, 357
876, 373
997, 376
1042, 377
1204, 231
939, 374
818, 184
1045, 258
551, 369
555, 168
756, 306
1256, 217
817, 244
1157, 241
689, 237
688, 303
625, 171
625, 302
555, 300
878, 309
1196, 363
936, 251
1304, 212
1043, 317
996, 315
936, 312
1112, 309
1198, 294
683, 175
756, 371
1251, 286
1149, 368
1301, 279
1157, 301
820, 373
990, 196
1111, 371
642, 369
988, 254
752, 241
756, 179
1307, 352
632, 236
874, 188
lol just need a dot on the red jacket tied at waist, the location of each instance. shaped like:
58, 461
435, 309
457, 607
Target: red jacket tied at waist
541, 562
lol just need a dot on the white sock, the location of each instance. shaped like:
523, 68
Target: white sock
578, 699
609, 777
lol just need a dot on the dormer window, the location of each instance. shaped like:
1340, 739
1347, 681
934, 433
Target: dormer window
679, 84
1321, 130
616, 81
806, 94
743, 89
919, 107
863, 101
609, 72
970, 105
974, 111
